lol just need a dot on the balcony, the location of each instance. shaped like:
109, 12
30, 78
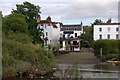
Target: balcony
45, 38
69, 38
75, 46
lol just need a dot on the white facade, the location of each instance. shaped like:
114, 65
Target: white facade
51, 33
50, 30
55, 33
106, 31
71, 34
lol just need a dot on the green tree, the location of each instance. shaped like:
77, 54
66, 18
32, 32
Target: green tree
30, 11
14, 22
109, 48
87, 38
97, 21
19, 53
28, 54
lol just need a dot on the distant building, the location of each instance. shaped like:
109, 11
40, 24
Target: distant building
70, 36
106, 30
50, 30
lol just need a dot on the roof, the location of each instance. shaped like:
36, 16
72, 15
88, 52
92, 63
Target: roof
76, 25
108, 24
44, 21
48, 21
68, 39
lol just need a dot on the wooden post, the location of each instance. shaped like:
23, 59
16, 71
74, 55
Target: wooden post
101, 54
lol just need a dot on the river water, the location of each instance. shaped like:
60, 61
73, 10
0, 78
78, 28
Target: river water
102, 70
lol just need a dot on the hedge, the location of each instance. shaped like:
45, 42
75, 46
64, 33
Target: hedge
108, 47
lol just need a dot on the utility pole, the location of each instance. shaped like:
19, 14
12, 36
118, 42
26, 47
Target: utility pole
101, 54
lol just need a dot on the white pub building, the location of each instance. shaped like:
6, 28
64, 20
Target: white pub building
50, 30
56, 33
106, 30
70, 35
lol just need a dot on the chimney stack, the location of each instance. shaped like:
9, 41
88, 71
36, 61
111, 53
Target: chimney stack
109, 20
38, 18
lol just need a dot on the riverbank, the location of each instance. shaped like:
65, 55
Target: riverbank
79, 57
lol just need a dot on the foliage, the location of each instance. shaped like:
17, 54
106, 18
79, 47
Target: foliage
20, 37
14, 22
33, 54
97, 21
30, 11
87, 38
109, 47
49, 46
57, 47
67, 46
19, 53
110, 56
75, 73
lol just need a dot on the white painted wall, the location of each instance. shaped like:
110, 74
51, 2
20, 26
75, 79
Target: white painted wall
66, 35
63, 45
105, 31
78, 33
76, 49
56, 34
53, 34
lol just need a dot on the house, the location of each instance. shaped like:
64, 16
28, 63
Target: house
50, 30
106, 30
70, 37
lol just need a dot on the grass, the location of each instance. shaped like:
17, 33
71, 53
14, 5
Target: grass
72, 57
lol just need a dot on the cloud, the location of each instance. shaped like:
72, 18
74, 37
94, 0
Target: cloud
69, 9
91, 10
79, 10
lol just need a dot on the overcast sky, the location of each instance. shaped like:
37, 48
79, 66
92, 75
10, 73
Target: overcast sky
70, 11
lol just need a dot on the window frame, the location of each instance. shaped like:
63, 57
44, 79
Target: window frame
108, 36
100, 36
117, 29
117, 36
100, 29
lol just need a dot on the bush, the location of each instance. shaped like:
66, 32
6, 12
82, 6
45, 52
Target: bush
108, 47
49, 46
26, 54
110, 56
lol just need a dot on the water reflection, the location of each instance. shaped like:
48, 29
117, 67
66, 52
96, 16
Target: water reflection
101, 70
106, 66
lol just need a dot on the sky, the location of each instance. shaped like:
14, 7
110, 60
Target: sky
70, 11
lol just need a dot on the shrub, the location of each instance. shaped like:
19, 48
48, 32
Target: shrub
49, 46
26, 54
108, 47
110, 56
